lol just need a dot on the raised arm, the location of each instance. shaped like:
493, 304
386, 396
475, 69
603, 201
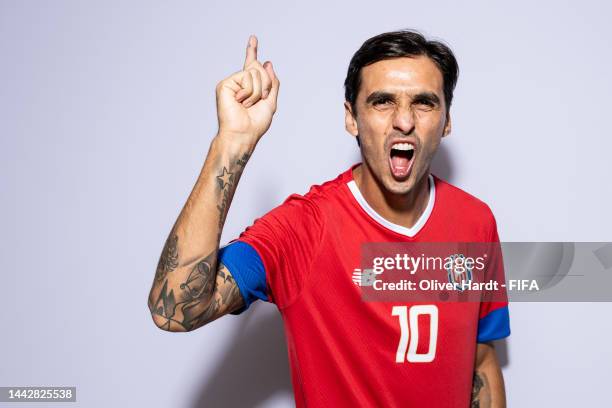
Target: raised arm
190, 287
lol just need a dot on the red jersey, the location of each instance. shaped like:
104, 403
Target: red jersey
344, 351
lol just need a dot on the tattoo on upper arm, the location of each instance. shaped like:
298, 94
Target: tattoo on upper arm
228, 291
197, 302
480, 391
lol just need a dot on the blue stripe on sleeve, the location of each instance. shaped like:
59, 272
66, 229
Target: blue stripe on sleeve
495, 325
248, 271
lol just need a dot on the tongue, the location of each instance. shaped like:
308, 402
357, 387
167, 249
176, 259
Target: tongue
399, 165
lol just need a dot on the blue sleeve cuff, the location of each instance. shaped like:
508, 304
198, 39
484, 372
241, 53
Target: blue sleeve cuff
246, 267
495, 325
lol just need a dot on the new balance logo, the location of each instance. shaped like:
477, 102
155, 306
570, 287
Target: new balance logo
363, 278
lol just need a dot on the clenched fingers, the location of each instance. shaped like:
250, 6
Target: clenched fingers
256, 88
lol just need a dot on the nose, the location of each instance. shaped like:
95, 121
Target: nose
403, 119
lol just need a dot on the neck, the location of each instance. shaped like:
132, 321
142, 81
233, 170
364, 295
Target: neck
400, 209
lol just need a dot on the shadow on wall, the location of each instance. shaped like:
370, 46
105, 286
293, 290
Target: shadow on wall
442, 163
254, 368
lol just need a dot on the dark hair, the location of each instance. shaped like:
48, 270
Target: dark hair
396, 44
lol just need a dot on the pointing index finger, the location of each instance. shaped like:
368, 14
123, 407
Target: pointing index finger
251, 52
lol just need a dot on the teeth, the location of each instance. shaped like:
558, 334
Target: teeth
402, 146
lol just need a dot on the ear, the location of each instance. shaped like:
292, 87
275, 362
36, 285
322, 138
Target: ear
349, 120
447, 126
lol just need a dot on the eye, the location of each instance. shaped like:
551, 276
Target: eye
424, 104
381, 101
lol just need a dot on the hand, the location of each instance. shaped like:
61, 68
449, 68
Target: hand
246, 101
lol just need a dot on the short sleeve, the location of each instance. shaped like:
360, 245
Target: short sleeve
247, 269
494, 317
272, 258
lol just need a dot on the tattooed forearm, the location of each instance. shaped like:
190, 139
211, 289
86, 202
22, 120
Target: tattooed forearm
226, 183
225, 178
197, 302
168, 261
481, 394
243, 161
177, 309
190, 288
476, 387
206, 291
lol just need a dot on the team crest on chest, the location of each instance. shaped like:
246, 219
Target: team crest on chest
459, 274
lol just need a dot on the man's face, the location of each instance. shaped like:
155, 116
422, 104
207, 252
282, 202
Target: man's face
400, 119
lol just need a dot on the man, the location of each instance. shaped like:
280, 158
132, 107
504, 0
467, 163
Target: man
301, 255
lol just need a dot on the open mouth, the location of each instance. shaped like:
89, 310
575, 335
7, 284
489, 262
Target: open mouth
400, 159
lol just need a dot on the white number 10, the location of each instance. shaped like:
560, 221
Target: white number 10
409, 333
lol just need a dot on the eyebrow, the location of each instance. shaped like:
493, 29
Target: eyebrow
427, 96
421, 96
379, 95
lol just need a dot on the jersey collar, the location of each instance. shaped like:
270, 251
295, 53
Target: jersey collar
409, 232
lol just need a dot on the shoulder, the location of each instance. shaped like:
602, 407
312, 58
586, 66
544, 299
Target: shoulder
319, 198
459, 203
301, 213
